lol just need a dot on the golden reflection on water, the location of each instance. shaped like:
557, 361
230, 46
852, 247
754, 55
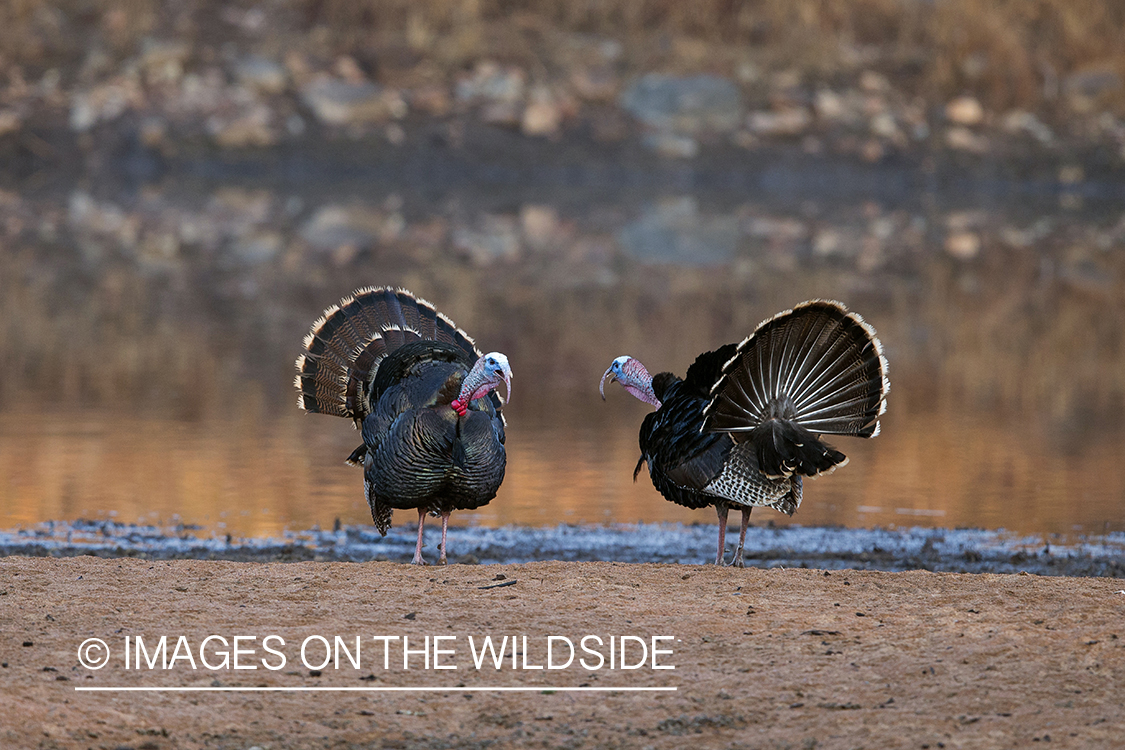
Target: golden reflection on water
252, 478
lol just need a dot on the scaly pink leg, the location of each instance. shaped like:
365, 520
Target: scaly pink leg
721, 509
737, 561
418, 560
444, 528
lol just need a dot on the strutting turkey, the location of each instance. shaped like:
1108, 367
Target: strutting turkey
423, 396
743, 427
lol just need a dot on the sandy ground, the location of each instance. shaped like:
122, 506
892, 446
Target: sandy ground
779, 658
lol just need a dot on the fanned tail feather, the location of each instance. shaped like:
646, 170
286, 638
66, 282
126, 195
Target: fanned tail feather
346, 344
785, 448
814, 370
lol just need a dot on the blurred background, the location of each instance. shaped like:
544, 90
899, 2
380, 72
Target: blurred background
186, 184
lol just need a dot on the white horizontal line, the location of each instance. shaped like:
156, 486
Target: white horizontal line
330, 689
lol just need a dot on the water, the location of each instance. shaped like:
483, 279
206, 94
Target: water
149, 333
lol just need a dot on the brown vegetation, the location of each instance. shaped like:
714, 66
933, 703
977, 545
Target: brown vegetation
1031, 54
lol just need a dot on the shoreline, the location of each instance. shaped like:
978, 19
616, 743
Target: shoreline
793, 546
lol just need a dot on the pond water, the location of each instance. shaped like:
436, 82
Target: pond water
149, 332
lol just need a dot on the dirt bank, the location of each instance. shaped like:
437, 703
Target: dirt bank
763, 658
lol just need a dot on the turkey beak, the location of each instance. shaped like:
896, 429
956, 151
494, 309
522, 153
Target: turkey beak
507, 385
612, 378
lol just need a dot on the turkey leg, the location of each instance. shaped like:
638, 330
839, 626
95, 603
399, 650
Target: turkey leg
418, 560
721, 509
444, 528
737, 561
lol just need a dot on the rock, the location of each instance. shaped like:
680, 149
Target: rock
962, 139
884, 126
295, 125
1018, 121
202, 92
10, 121
338, 102
542, 115
782, 229
96, 65
1088, 276
102, 103
506, 114
262, 75
496, 238
349, 69
395, 134
744, 139
158, 251
672, 145
874, 83
748, 71
964, 110
334, 226
788, 121
872, 150
163, 60
674, 231
592, 49
250, 128
231, 213
492, 83
595, 84
249, 20
829, 105
154, 132
85, 214
257, 247
609, 125
359, 226
963, 245
1092, 83
48, 86
1026, 237
703, 103
432, 100
788, 80
960, 221
1071, 174
826, 242
843, 242
540, 225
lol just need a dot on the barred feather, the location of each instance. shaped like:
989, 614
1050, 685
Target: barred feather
346, 344
817, 365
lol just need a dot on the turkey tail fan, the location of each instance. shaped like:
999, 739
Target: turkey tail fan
817, 366
346, 344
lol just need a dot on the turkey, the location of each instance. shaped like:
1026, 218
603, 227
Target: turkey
423, 396
744, 426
